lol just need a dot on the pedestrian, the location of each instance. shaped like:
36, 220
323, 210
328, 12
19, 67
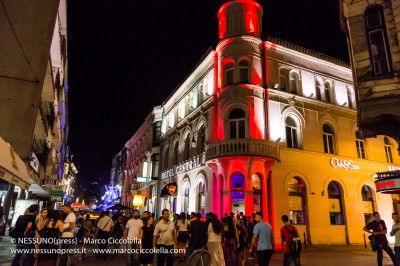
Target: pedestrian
49, 229
131, 233
163, 239
87, 234
250, 228
265, 247
198, 235
214, 245
241, 229
126, 217
118, 230
67, 236
25, 227
396, 233
287, 232
103, 232
146, 243
378, 229
231, 242
41, 218
182, 227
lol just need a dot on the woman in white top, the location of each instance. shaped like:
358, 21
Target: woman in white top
182, 227
214, 241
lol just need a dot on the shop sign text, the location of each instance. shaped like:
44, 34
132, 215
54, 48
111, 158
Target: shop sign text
182, 168
345, 164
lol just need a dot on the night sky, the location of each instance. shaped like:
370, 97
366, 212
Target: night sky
127, 56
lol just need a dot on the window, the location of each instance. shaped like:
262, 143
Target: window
294, 82
318, 87
378, 45
256, 182
176, 153
155, 165
388, 150
368, 203
186, 154
292, 132
237, 193
237, 124
335, 204
283, 79
327, 92
243, 72
349, 98
201, 140
185, 207
360, 145
157, 132
297, 193
328, 136
201, 200
229, 74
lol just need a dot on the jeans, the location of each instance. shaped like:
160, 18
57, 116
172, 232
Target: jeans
64, 246
264, 256
397, 253
289, 257
133, 257
388, 250
23, 259
167, 255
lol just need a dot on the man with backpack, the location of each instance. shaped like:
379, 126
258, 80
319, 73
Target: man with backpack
292, 247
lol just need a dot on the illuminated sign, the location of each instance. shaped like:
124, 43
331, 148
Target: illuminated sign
141, 179
393, 168
387, 185
171, 189
182, 168
345, 164
48, 182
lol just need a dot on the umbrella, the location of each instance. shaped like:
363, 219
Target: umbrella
118, 206
77, 205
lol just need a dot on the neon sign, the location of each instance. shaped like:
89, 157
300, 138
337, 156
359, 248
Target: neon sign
345, 164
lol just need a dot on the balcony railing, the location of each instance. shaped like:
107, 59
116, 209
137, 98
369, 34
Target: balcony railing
243, 147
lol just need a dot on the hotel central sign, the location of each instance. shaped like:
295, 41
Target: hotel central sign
182, 168
345, 164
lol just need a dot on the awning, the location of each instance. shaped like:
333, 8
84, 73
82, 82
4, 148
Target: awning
165, 191
12, 168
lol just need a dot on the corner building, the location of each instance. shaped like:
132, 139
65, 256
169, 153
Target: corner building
265, 125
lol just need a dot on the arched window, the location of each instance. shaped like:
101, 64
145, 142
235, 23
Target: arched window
201, 140
297, 193
185, 203
229, 74
283, 79
377, 38
201, 202
328, 137
327, 92
294, 82
243, 72
292, 132
231, 24
237, 188
176, 149
349, 98
237, 124
368, 203
257, 191
186, 153
360, 145
335, 203
318, 88
388, 150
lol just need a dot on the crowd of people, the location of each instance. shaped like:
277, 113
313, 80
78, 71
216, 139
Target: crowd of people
173, 237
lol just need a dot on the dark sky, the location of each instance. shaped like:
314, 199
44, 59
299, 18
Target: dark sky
127, 56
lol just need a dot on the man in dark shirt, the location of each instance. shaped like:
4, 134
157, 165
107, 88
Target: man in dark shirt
198, 235
26, 232
379, 231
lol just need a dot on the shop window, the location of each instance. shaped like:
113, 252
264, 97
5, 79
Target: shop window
283, 79
237, 188
360, 145
368, 203
388, 150
243, 72
229, 74
294, 82
237, 124
328, 136
335, 204
296, 188
377, 38
292, 132
257, 199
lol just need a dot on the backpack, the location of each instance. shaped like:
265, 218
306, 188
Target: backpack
294, 241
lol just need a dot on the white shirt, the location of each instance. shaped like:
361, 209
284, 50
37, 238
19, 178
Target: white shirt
133, 227
105, 224
213, 237
165, 231
183, 226
71, 218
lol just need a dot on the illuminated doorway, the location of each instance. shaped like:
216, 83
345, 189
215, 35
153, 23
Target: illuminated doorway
237, 193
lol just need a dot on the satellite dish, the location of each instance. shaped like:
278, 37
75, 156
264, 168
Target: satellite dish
200, 257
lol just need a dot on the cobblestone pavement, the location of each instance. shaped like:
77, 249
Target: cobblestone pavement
313, 256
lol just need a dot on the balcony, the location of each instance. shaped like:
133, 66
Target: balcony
243, 147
